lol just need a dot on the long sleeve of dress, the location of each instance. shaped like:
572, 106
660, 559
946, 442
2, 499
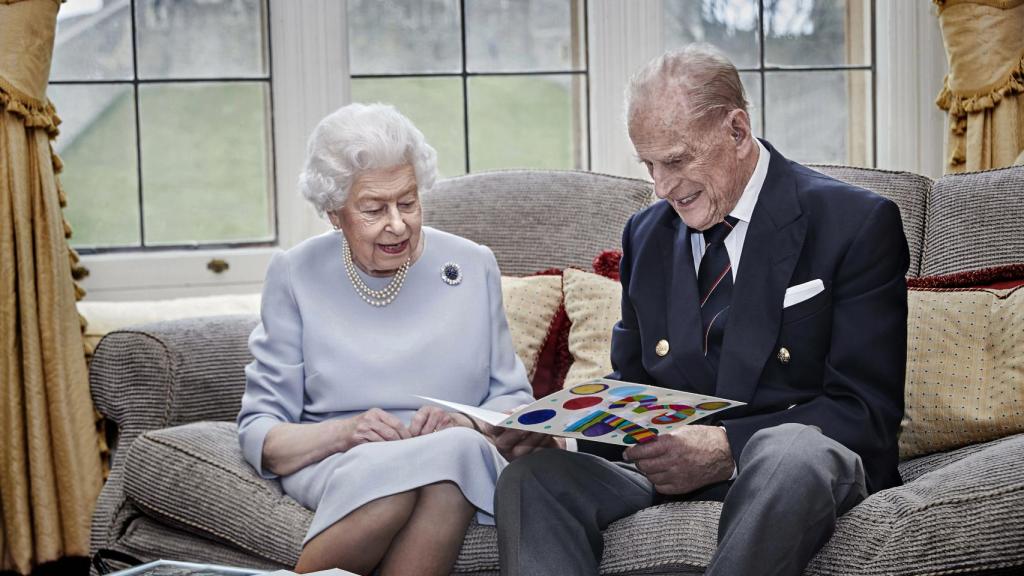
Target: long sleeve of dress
509, 385
275, 379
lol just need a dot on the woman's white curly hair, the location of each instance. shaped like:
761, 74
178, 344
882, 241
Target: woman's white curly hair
356, 138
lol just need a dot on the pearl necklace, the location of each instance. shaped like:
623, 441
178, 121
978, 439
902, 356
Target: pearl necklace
378, 298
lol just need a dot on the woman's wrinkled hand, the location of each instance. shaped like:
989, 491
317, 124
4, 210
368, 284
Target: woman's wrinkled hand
374, 425
429, 419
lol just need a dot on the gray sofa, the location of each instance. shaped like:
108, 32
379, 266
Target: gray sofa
179, 488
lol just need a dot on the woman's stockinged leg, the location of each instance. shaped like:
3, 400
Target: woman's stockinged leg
360, 540
430, 541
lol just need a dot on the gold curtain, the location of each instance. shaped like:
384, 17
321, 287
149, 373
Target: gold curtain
49, 463
984, 89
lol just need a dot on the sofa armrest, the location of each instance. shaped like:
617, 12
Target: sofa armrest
169, 373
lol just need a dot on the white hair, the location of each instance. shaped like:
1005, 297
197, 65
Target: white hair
356, 138
699, 73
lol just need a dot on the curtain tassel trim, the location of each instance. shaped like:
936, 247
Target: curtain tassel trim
36, 114
960, 106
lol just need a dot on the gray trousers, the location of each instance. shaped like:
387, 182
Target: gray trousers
793, 483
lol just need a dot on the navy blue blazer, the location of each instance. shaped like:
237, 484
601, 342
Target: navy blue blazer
847, 344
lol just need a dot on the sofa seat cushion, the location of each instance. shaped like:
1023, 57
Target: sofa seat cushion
961, 510
193, 479
960, 517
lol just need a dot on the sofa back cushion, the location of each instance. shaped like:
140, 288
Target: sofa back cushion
965, 368
908, 191
975, 220
537, 219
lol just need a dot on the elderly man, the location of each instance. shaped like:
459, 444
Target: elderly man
755, 279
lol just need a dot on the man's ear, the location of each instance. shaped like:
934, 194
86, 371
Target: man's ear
738, 123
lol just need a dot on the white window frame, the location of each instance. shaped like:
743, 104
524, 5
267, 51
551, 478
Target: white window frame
311, 78
910, 66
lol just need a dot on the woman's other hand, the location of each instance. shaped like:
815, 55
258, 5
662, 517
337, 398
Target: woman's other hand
430, 419
374, 425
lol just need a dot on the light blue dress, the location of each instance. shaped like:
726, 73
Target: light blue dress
321, 352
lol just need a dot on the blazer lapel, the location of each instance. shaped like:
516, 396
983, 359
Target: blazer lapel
682, 305
771, 249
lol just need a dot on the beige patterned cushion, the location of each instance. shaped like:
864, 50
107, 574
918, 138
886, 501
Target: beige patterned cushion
965, 368
593, 304
530, 305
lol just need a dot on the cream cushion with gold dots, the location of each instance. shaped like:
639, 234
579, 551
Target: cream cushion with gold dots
594, 305
530, 305
965, 368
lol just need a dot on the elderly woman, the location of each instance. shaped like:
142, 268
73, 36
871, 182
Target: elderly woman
355, 324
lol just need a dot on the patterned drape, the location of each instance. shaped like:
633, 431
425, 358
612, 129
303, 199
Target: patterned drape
49, 463
984, 90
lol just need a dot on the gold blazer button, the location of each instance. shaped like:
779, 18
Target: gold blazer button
783, 355
661, 348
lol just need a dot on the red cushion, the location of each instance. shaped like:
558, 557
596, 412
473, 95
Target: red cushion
997, 277
607, 264
554, 359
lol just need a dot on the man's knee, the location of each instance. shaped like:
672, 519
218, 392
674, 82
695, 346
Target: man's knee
534, 470
802, 452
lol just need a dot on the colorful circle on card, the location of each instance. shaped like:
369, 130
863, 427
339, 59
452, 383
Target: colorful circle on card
712, 405
583, 389
631, 439
581, 403
622, 391
536, 417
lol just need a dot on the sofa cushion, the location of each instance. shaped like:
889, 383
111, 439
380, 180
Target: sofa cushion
975, 220
535, 220
594, 305
530, 306
965, 368
193, 479
908, 191
961, 518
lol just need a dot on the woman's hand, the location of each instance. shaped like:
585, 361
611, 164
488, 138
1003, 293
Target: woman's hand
430, 419
374, 425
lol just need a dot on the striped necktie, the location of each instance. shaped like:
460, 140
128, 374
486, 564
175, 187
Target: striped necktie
714, 284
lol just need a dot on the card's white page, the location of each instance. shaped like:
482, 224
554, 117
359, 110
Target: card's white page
615, 412
490, 416
606, 411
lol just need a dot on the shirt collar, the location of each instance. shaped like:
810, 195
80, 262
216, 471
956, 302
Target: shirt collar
745, 207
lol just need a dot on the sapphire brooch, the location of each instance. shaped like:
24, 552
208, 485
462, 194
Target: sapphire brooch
451, 273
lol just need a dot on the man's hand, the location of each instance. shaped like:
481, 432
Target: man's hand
430, 419
374, 425
514, 444
684, 460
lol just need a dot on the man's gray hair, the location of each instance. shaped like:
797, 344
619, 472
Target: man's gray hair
699, 73
356, 138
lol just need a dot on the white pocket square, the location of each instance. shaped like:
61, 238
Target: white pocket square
800, 292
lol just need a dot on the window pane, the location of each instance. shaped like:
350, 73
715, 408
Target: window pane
404, 36
433, 104
212, 39
97, 145
93, 41
205, 150
820, 116
524, 36
752, 86
527, 122
817, 32
730, 25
